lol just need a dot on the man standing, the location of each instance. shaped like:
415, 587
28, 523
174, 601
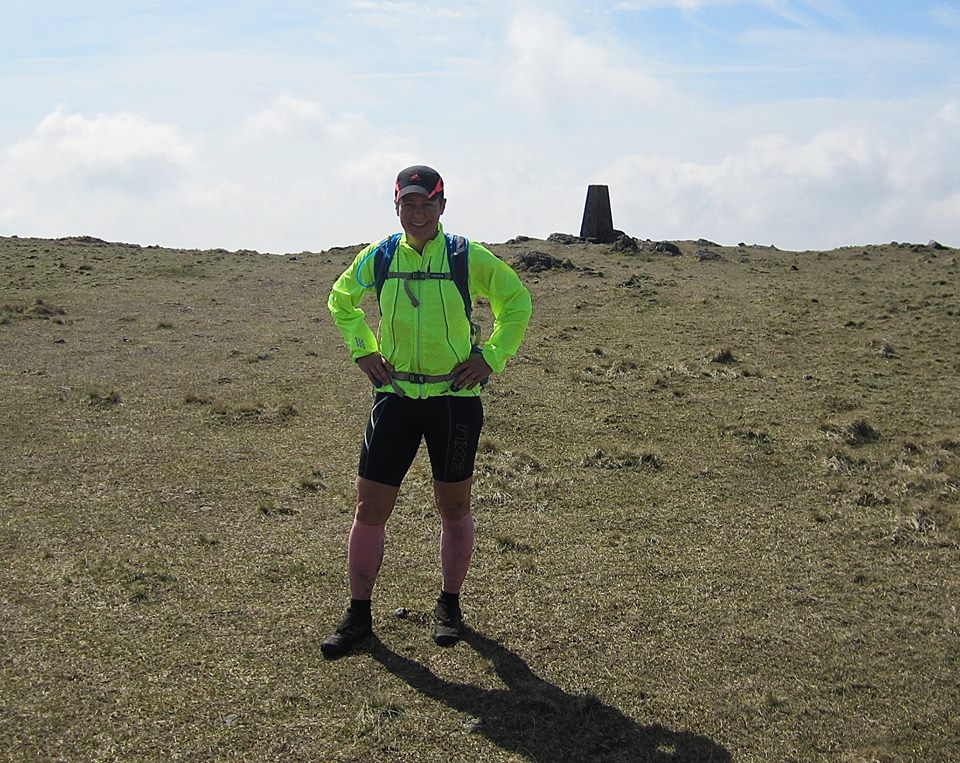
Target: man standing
427, 369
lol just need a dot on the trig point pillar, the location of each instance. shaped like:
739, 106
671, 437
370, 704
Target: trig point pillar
597, 219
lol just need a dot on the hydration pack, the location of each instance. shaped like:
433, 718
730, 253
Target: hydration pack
457, 258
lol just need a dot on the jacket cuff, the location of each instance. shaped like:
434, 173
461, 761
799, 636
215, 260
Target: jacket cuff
494, 359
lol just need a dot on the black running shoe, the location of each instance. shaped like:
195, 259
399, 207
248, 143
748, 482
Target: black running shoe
448, 622
353, 629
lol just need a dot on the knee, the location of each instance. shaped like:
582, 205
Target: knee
453, 499
364, 515
374, 503
455, 510
372, 512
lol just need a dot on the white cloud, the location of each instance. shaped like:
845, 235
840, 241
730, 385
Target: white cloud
109, 172
555, 69
290, 117
841, 185
291, 176
296, 176
101, 151
310, 176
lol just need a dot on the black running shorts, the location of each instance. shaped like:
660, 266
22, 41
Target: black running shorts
451, 426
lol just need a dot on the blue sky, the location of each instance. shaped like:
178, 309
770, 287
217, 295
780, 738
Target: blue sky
280, 126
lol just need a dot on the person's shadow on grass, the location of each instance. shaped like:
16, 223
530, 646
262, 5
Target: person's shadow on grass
536, 719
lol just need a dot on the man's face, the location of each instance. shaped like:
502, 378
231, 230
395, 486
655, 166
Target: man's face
419, 215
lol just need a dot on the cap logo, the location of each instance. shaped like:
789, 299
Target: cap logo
418, 179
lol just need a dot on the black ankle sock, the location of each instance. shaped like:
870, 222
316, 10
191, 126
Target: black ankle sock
360, 606
453, 598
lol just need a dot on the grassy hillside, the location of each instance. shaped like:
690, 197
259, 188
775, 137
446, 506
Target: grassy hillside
718, 510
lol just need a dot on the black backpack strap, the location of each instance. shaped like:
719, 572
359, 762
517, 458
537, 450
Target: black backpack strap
457, 255
382, 260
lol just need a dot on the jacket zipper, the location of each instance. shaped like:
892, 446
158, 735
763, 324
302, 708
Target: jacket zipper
419, 286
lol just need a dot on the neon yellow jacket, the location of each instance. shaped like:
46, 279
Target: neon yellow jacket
434, 338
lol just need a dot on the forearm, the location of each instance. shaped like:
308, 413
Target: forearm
509, 327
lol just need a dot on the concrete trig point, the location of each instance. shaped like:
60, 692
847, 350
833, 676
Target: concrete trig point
597, 219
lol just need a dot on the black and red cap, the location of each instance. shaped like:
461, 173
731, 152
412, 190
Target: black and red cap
419, 179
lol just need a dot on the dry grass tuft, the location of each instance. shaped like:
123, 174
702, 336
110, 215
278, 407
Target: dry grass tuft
852, 433
375, 713
837, 404
509, 544
102, 398
272, 509
723, 356
246, 411
38, 309
487, 446
757, 436
616, 458
884, 348
622, 369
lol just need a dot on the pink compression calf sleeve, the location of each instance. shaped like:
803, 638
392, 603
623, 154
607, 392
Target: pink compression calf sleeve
364, 556
456, 550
